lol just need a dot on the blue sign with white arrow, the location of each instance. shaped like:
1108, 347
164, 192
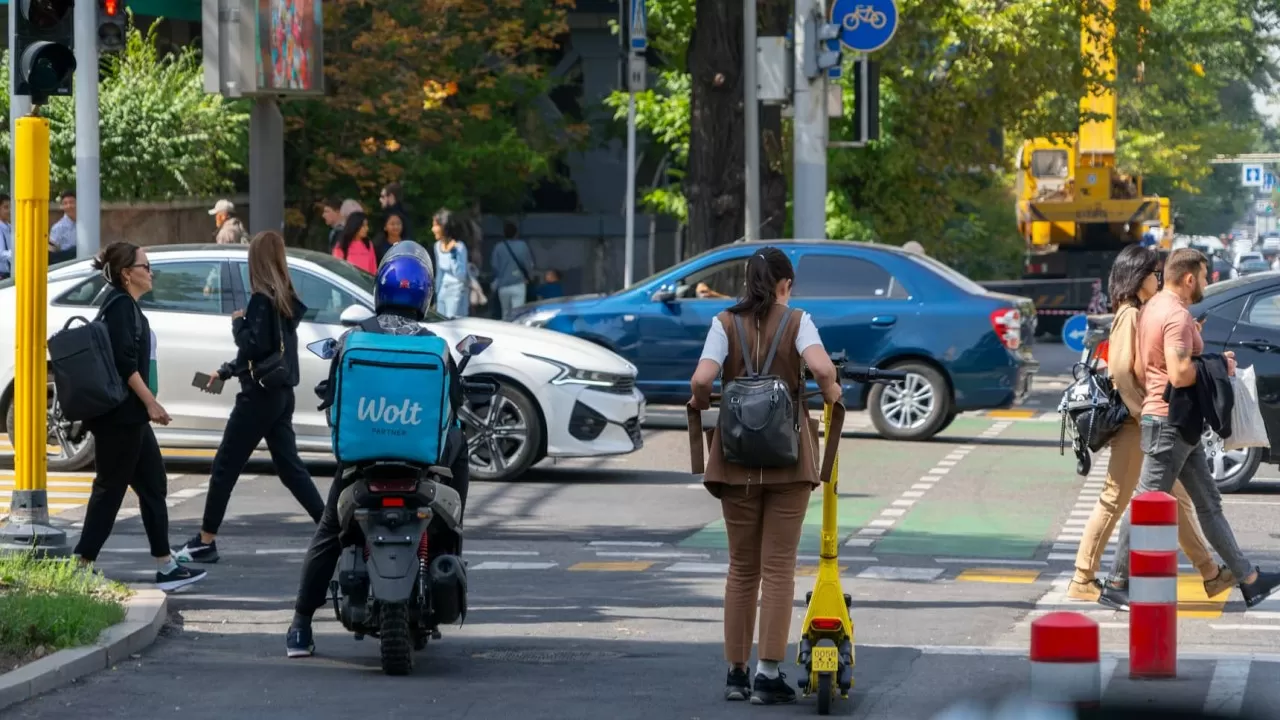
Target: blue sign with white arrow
1073, 332
865, 25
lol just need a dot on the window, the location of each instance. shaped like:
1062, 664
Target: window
193, 286
1049, 164
841, 276
716, 282
84, 294
324, 300
1265, 311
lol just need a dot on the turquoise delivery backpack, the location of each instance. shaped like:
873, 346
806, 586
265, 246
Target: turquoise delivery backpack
391, 399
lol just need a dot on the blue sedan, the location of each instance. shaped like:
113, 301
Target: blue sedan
963, 347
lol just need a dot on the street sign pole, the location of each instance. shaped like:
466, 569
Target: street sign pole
19, 105
809, 131
751, 120
88, 180
635, 83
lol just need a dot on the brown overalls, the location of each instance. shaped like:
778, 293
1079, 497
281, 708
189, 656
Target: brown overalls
764, 508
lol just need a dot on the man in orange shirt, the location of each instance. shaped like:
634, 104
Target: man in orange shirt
1168, 341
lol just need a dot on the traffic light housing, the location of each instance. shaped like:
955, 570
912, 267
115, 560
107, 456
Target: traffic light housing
44, 60
111, 25
820, 56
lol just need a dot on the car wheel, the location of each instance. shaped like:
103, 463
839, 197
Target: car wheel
503, 436
951, 417
914, 409
74, 443
1231, 469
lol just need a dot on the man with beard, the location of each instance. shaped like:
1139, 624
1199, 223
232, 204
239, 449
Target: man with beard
1168, 343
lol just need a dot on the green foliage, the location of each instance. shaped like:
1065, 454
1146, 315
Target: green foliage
964, 82
54, 604
161, 136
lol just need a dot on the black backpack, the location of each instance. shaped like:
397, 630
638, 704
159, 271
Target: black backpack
84, 368
759, 418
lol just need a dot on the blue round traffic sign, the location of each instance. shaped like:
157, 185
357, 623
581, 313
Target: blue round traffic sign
1073, 332
865, 25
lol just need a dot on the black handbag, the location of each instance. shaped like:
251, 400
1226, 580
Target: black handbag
272, 371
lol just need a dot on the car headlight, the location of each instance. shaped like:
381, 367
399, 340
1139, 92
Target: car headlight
569, 375
537, 318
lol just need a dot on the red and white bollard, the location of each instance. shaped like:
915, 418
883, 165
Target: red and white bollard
1153, 586
1064, 659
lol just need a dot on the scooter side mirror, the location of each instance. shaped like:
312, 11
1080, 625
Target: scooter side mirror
473, 345
324, 349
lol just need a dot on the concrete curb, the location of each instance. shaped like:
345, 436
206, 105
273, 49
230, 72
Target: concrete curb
146, 612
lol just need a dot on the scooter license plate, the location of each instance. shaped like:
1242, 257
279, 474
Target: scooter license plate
826, 659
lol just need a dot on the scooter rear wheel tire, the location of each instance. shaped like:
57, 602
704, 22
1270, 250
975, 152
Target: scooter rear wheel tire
394, 641
826, 689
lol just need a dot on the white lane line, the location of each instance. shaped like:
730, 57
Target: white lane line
699, 568
987, 561
899, 573
875, 529
651, 555
1227, 688
500, 565
626, 543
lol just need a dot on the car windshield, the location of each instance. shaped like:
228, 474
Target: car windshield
353, 275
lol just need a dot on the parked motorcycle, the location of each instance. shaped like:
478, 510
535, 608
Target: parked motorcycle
401, 575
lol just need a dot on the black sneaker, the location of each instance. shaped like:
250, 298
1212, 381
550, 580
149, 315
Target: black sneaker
197, 551
1114, 597
1261, 588
178, 577
738, 685
299, 643
772, 691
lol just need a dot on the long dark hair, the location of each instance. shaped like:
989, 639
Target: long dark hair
354, 222
114, 259
1131, 269
765, 269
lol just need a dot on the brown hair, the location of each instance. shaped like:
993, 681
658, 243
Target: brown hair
1181, 262
269, 271
114, 259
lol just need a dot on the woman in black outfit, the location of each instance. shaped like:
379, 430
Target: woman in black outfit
266, 335
126, 453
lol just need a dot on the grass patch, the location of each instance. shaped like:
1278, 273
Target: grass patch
48, 605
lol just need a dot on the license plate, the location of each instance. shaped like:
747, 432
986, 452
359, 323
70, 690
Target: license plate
826, 659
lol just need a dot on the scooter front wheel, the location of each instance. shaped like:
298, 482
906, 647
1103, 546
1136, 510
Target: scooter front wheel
826, 689
394, 639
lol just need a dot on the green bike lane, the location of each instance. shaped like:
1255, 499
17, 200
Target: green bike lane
873, 475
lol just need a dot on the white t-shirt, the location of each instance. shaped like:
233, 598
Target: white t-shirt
716, 348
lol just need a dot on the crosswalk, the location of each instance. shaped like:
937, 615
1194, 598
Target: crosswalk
66, 491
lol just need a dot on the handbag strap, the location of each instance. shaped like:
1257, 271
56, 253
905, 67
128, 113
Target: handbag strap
777, 338
527, 278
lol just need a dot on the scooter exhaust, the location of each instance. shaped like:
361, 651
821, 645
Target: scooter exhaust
448, 580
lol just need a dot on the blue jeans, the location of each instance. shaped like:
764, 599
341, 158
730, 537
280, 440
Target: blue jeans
454, 302
1167, 457
510, 298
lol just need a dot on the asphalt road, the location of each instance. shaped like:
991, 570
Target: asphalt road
597, 589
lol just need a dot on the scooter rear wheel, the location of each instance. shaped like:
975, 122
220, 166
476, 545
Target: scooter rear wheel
825, 691
394, 639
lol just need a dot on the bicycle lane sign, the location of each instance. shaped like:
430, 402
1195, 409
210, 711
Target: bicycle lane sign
865, 25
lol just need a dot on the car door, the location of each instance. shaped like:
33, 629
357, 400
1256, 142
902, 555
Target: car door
1256, 341
325, 301
189, 309
856, 303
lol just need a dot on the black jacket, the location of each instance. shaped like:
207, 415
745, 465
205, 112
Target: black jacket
260, 332
131, 350
1210, 400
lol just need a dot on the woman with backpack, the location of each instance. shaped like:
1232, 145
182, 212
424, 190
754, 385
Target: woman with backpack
266, 336
126, 454
764, 507
1135, 279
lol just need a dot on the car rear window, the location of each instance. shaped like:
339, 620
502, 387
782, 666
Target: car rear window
955, 277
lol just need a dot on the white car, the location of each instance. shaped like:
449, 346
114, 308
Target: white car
559, 396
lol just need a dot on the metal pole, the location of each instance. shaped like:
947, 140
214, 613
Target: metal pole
628, 267
266, 166
88, 179
751, 120
809, 130
28, 527
18, 106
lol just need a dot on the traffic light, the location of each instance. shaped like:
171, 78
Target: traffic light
111, 25
43, 60
820, 57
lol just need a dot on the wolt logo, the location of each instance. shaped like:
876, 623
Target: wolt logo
381, 411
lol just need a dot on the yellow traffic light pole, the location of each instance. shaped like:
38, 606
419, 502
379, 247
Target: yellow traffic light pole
28, 524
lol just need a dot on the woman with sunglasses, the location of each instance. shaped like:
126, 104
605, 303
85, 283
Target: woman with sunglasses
126, 454
1135, 279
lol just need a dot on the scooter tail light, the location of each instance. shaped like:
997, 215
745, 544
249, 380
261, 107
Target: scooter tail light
392, 502
826, 624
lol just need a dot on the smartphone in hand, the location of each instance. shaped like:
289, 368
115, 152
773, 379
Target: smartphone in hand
201, 381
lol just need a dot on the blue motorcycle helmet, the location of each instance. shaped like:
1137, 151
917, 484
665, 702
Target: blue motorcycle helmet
405, 279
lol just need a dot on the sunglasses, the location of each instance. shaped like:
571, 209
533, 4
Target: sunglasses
144, 266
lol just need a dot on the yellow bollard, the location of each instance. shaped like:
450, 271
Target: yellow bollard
28, 525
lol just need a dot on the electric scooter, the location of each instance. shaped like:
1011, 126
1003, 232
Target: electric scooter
826, 641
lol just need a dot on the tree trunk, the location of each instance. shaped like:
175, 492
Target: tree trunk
775, 21
714, 181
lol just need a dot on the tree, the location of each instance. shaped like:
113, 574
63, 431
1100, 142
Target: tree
438, 95
161, 136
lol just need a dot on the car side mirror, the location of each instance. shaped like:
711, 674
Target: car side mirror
664, 294
473, 345
354, 315
324, 349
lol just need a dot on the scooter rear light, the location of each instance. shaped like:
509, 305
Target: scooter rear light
826, 624
393, 486
392, 502
1104, 348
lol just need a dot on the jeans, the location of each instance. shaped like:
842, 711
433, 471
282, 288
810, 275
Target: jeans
325, 548
453, 302
259, 414
1169, 458
126, 456
511, 297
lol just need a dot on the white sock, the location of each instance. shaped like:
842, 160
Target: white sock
169, 566
767, 668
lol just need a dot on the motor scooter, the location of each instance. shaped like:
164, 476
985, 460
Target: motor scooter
401, 575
